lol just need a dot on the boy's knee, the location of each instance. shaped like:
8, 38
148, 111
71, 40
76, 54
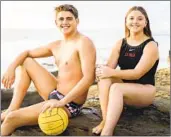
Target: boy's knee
27, 61
11, 117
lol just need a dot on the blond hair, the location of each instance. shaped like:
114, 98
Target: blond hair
67, 7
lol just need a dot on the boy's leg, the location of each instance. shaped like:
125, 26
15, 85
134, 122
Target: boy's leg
42, 79
26, 116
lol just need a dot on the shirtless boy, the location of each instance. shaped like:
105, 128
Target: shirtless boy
75, 57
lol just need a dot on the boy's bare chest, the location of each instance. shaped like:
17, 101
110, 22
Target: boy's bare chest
66, 56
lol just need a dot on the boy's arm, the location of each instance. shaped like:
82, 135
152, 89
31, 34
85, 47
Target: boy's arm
43, 51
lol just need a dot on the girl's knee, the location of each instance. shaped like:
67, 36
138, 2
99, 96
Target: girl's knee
104, 81
104, 85
116, 88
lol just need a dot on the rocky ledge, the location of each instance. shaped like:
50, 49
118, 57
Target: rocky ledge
150, 121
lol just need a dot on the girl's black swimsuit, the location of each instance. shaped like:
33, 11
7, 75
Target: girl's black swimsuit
129, 58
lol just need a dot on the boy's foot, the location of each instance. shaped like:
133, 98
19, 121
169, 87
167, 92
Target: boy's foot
4, 114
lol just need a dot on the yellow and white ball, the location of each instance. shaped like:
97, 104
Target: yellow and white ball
53, 122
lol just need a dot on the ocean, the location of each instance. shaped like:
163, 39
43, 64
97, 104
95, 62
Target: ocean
14, 41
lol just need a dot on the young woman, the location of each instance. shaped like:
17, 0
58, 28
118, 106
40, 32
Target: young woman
133, 84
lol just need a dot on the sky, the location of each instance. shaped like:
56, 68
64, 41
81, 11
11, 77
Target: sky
92, 14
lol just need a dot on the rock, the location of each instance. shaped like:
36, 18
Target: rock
162, 98
150, 121
133, 122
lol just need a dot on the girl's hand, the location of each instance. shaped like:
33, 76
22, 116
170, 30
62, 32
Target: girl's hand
104, 72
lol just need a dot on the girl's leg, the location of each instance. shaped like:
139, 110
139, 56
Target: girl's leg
42, 79
104, 87
131, 94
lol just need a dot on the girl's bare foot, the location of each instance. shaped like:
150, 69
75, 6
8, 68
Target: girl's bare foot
107, 132
98, 129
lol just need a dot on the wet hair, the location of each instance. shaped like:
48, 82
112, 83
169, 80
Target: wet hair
67, 7
147, 30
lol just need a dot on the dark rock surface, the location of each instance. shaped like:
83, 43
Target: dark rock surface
133, 122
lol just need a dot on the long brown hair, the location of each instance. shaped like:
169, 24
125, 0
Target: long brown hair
147, 30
